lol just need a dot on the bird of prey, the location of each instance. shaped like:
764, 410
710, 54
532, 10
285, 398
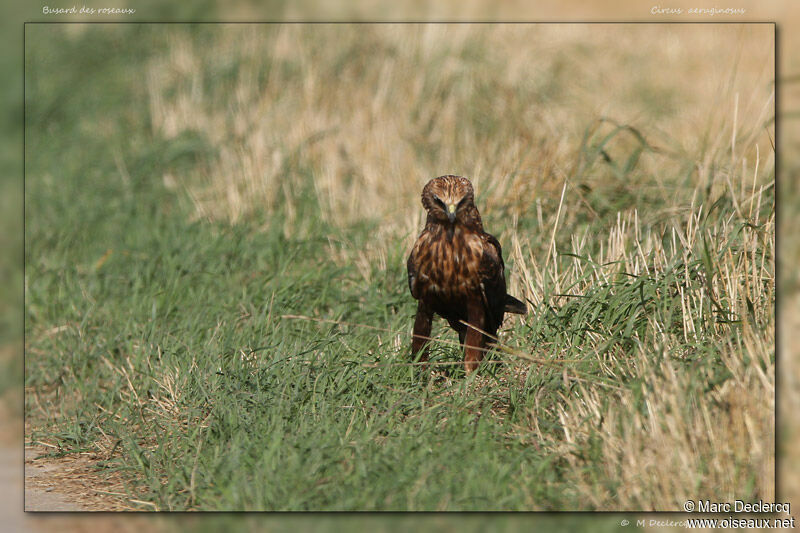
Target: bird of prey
456, 271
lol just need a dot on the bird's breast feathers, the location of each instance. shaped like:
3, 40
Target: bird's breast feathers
447, 268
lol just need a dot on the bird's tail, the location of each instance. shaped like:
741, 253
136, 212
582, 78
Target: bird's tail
515, 306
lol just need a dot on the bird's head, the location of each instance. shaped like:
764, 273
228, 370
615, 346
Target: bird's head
448, 199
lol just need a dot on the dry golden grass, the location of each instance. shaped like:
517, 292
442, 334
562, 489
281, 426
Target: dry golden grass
373, 111
369, 113
679, 446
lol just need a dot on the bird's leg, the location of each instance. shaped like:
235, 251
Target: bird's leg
460, 328
422, 331
473, 342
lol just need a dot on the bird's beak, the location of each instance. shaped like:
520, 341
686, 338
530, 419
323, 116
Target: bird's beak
451, 213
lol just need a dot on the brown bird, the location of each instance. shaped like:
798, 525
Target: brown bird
456, 271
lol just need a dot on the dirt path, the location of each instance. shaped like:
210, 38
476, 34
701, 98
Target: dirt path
43, 490
71, 482
11, 485
55, 484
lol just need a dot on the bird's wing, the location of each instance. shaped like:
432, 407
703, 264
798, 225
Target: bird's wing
411, 265
493, 281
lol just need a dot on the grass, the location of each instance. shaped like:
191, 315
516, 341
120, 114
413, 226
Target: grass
217, 221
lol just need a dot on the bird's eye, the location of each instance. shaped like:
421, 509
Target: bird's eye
462, 202
438, 201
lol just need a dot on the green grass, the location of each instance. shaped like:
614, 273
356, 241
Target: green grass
168, 343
